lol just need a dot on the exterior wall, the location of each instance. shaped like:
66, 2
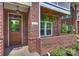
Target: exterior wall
1, 31
49, 43
33, 29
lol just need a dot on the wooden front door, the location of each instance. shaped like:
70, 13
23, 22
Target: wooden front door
14, 29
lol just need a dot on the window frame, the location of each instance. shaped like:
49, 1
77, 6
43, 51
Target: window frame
45, 32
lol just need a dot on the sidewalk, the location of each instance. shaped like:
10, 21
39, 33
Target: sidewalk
20, 51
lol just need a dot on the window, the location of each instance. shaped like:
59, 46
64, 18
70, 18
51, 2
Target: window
46, 28
14, 23
46, 25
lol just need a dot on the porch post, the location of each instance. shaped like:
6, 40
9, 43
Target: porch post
59, 25
33, 26
76, 25
1, 30
74, 16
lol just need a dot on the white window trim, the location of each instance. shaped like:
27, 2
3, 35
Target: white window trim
46, 29
39, 20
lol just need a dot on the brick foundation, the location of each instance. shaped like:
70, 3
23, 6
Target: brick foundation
47, 44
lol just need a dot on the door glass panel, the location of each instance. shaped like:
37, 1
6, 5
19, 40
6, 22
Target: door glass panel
14, 24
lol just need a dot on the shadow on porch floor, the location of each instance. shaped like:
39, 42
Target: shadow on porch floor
19, 51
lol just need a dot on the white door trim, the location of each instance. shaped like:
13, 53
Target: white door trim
39, 20
21, 28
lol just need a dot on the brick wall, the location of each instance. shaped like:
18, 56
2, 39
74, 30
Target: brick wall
47, 44
33, 29
1, 48
1, 29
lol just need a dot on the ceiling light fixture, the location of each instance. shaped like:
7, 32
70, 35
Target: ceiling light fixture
17, 10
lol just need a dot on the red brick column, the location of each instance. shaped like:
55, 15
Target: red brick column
1, 29
33, 26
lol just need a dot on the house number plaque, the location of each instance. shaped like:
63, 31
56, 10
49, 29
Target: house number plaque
34, 23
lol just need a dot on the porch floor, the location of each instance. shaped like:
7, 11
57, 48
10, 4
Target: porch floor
19, 51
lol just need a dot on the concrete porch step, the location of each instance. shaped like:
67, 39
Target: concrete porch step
19, 51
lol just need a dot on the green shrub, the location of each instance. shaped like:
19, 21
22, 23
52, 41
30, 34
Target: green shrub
66, 28
76, 46
57, 52
70, 51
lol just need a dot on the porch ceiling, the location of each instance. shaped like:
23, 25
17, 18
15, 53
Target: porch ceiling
51, 12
